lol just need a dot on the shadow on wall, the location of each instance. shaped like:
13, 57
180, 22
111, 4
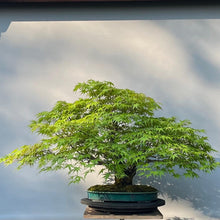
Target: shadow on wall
177, 218
203, 193
111, 11
29, 195
4, 24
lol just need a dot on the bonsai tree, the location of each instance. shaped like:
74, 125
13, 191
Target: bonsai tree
115, 128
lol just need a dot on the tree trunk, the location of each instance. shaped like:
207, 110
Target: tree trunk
128, 179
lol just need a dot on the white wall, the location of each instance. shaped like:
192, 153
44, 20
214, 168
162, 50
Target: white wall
169, 53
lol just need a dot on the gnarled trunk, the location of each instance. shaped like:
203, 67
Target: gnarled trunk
128, 179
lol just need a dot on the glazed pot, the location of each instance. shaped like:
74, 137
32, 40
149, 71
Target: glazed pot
122, 196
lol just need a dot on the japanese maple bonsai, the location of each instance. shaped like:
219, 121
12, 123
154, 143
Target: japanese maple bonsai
115, 128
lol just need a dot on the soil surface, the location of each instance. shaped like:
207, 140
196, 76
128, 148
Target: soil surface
128, 188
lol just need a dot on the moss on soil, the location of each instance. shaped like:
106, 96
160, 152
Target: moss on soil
128, 188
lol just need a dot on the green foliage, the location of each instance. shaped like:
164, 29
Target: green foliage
115, 128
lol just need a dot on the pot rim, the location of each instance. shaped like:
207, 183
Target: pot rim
99, 192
